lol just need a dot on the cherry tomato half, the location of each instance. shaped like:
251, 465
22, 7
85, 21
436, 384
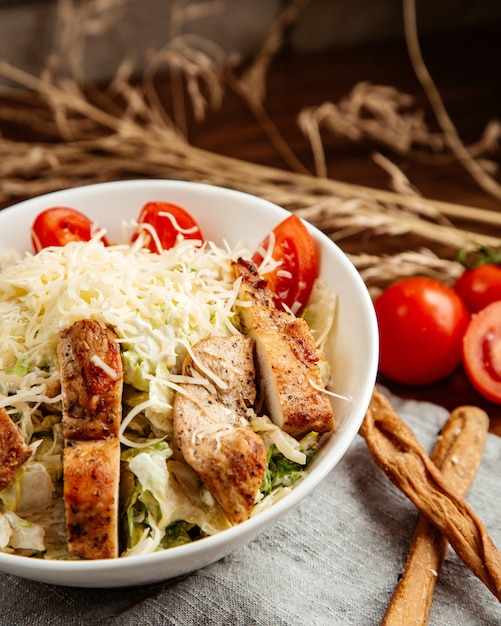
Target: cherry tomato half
292, 281
482, 351
479, 286
169, 222
58, 226
421, 327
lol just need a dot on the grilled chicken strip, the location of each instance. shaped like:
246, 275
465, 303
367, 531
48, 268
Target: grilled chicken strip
91, 482
91, 386
13, 449
287, 359
91, 381
211, 427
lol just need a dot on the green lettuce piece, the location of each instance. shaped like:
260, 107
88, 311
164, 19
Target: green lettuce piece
136, 370
160, 509
136, 500
179, 533
282, 471
21, 368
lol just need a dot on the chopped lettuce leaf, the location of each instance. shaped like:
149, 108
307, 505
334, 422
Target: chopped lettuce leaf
25, 535
135, 370
179, 533
320, 312
281, 471
273, 435
20, 369
155, 499
5, 531
30, 490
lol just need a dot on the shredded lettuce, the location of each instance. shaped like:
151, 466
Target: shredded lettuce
281, 470
30, 490
273, 435
24, 535
159, 510
320, 312
5, 531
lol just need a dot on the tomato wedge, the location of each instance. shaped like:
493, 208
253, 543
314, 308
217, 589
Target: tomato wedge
482, 352
292, 281
58, 226
169, 222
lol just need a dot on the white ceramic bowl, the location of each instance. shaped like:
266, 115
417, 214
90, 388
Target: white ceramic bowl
236, 217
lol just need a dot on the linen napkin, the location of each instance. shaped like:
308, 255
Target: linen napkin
334, 560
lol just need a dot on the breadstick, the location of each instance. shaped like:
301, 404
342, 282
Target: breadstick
395, 449
457, 454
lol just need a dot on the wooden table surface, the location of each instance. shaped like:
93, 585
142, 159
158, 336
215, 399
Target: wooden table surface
465, 68
466, 71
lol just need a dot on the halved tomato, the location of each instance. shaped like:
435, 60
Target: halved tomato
169, 222
58, 226
482, 351
292, 280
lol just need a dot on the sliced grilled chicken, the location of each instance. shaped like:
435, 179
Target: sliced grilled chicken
287, 359
91, 381
91, 479
13, 449
91, 386
211, 427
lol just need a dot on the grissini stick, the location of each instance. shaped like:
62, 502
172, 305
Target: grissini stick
457, 454
397, 452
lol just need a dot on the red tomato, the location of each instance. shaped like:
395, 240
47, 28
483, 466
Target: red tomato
169, 222
479, 286
292, 281
58, 226
482, 351
421, 327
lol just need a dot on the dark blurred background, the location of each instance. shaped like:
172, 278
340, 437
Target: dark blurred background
27, 27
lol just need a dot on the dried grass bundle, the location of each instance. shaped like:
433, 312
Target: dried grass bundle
77, 134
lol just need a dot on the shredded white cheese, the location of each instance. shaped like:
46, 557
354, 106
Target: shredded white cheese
185, 292
109, 371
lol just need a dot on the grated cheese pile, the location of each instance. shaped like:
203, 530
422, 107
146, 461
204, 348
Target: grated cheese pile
186, 291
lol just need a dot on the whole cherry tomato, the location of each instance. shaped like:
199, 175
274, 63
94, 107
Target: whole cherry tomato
292, 281
482, 351
421, 327
479, 286
58, 226
169, 222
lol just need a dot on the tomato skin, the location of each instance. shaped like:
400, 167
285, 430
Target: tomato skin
169, 222
482, 351
58, 226
291, 282
479, 286
421, 326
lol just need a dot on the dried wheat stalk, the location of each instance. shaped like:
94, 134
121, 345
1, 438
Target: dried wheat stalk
125, 131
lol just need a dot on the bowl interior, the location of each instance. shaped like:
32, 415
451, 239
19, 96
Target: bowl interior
234, 217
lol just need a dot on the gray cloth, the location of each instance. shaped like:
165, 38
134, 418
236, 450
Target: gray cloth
334, 560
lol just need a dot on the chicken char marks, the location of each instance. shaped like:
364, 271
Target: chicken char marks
91, 386
287, 359
211, 427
